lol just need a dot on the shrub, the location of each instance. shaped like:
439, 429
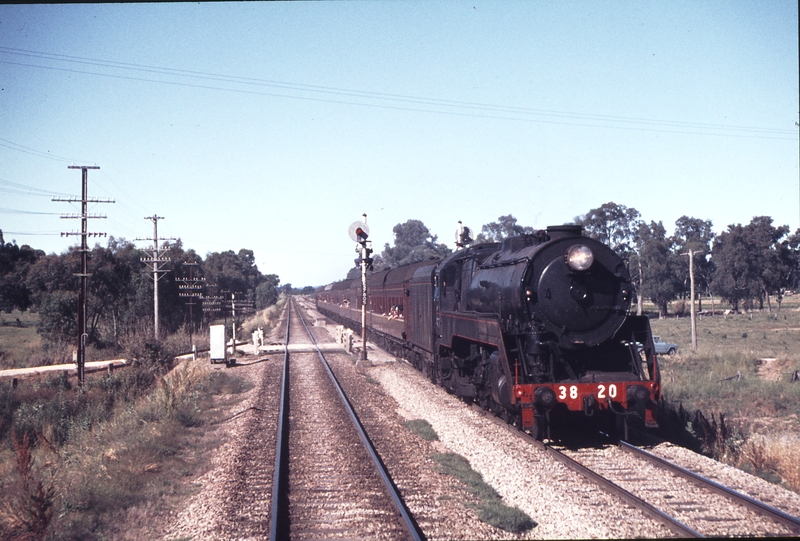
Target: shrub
177, 392
154, 355
136, 454
27, 508
775, 458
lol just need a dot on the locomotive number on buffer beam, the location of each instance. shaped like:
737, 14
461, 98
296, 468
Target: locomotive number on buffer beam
602, 391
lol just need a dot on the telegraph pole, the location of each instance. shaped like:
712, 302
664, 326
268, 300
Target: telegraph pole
691, 253
191, 287
158, 266
84, 274
212, 305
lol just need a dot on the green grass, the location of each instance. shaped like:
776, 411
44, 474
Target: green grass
490, 506
701, 382
422, 428
757, 334
20, 344
731, 347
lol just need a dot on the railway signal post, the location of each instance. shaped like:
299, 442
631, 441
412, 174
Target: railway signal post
359, 232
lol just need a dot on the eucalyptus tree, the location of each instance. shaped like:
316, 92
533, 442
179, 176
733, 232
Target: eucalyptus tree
413, 242
695, 235
754, 262
505, 226
15, 262
614, 225
658, 260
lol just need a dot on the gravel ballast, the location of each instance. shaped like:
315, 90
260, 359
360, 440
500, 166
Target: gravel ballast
562, 503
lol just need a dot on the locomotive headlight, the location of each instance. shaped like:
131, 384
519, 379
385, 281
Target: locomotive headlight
580, 257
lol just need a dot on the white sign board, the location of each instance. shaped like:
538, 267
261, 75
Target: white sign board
218, 347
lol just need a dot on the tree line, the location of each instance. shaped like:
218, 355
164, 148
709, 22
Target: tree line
748, 266
120, 290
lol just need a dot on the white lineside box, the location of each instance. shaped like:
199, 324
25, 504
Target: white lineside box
218, 348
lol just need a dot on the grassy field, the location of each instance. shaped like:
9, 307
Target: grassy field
20, 344
76, 463
22, 347
758, 334
743, 365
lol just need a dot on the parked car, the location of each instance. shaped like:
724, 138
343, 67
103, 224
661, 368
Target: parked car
664, 348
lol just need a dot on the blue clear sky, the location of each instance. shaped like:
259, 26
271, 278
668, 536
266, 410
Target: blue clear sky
273, 126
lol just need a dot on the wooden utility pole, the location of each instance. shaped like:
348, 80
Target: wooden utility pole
691, 253
192, 288
84, 274
158, 267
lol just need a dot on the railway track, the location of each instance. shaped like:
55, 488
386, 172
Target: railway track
328, 480
688, 504
326, 487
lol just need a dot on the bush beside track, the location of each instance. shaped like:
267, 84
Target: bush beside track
76, 463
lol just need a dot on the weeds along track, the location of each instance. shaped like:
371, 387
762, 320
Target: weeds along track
248, 486
235, 495
704, 507
329, 481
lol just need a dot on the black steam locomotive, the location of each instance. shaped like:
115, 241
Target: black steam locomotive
536, 328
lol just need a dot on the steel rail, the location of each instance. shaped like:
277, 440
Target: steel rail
279, 520
676, 526
669, 521
411, 526
791, 522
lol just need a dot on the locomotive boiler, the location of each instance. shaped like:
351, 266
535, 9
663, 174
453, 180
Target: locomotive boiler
536, 329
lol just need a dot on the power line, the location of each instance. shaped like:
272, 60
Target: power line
385, 100
27, 150
117, 187
17, 189
32, 233
20, 211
